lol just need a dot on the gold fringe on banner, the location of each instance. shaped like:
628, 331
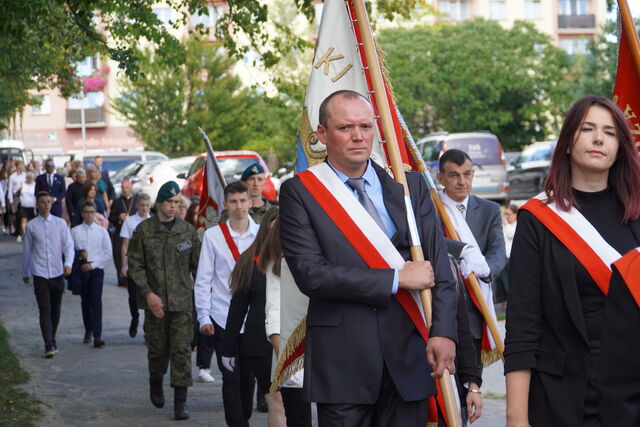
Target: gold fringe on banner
489, 357
280, 375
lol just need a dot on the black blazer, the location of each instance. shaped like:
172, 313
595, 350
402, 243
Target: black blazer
253, 342
57, 190
619, 356
354, 324
119, 206
546, 330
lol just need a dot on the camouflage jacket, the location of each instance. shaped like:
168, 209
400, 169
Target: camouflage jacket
256, 214
161, 260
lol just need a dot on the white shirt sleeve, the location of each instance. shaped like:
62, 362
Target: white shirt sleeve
67, 243
105, 250
204, 280
27, 250
272, 306
125, 231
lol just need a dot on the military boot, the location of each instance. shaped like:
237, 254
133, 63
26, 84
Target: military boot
180, 403
155, 392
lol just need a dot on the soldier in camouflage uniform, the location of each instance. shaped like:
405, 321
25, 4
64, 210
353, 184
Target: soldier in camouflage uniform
163, 252
255, 179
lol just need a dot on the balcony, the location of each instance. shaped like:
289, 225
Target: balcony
93, 117
577, 21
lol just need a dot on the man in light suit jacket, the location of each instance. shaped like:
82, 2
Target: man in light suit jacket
53, 184
365, 361
484, 220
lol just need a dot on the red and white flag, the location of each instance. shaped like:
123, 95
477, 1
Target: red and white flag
626, 92
210, 207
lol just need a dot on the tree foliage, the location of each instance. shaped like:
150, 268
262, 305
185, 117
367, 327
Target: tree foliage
42, 40
166, 106
477, 75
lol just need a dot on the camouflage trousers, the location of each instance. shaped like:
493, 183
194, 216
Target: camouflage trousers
169, 339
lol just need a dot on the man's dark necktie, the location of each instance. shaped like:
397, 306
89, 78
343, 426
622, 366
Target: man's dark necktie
358, 185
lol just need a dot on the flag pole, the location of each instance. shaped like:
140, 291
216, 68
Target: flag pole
473, 280
630, 31
382, 102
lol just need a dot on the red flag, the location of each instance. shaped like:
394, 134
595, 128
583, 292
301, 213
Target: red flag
626, 92
210, 207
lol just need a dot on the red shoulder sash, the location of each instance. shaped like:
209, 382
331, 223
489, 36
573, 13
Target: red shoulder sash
629, 268
230, 242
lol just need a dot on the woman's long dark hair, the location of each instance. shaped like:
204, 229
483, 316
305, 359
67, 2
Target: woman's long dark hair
242, 272
271, 250
86, 188
624, 174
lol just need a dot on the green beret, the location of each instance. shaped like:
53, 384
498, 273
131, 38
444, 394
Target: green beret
168, 190
253, 169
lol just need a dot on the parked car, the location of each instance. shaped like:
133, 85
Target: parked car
485, 150
149, 176
232, 164
530, 170
114, 161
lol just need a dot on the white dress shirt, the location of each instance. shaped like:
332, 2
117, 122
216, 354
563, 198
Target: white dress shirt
93, 239
450, 202
129, 225
46, 241
28, 195
212, 292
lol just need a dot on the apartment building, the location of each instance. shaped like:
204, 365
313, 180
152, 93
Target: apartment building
571, 23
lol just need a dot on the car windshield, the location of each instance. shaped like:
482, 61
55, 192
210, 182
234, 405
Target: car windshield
127, 172
181, 167
196, 166
232, 167
536, 152
431, 150
483, 151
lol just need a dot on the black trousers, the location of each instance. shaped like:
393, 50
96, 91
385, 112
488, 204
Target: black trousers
91, 301
116, 247
206, 347
49, 298
237, 386
133, 298
389, 410
297, 410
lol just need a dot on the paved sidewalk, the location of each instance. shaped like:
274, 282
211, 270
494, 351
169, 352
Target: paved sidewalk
85, 386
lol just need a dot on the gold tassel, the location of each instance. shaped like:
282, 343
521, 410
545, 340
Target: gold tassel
280, 376
490, 357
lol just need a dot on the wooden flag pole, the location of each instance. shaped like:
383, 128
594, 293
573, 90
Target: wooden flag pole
380, 94
630, 31
473, 280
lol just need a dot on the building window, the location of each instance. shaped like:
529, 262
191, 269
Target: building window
454, 10
164, 15
207, 21
87, 67
533, 9
575, 46
573, 7
91, 100
498, 10
42, 105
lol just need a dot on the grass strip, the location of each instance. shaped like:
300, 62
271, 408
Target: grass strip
17, 408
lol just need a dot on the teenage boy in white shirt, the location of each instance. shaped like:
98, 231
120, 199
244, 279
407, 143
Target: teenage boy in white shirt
221, 245
94, 244
143, 205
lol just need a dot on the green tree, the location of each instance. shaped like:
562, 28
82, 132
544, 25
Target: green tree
41, 40
166, 106
478, 75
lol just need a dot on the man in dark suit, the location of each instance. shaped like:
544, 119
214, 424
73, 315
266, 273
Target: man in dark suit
483, 218
121, 208
365, 361
53, 184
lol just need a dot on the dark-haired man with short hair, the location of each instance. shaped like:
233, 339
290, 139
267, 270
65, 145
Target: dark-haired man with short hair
94, 244
47, 256
255, 178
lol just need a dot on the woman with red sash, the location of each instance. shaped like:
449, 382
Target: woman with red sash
564, 244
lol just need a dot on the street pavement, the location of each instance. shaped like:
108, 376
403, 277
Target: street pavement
86, 386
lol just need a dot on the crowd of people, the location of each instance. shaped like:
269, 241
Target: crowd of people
333, 257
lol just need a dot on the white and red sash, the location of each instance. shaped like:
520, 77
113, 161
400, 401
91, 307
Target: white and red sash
577, 234
227, 245
362, 232
629, 268
489, 351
